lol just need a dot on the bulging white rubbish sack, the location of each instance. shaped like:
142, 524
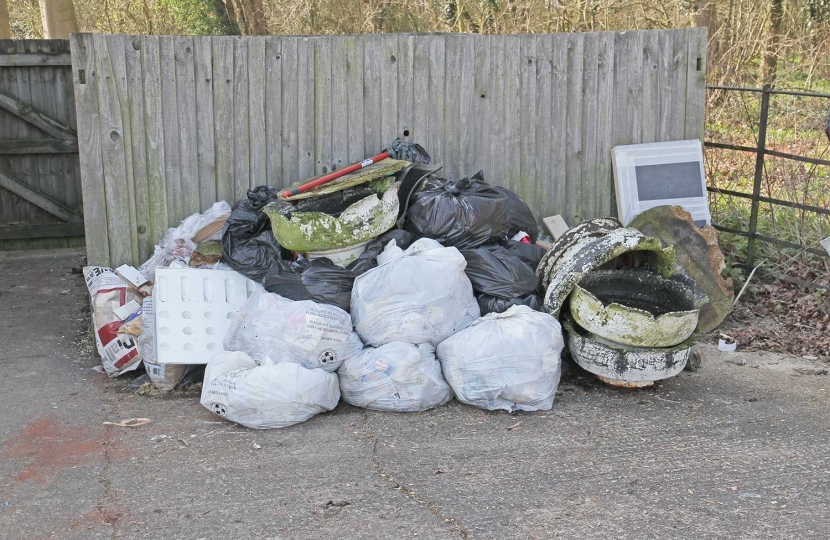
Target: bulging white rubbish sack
303, 332
507, 360
415, 296
395, 377
266, 395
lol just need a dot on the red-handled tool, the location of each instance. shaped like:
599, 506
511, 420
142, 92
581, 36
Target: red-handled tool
332, 176
399, 149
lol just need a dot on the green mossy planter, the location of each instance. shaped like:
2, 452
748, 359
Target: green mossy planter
318, 231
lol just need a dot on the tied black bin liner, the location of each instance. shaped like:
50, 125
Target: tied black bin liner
319, 280
466, 214
248, 243
501, 279
519, 215
494, 304
529, 253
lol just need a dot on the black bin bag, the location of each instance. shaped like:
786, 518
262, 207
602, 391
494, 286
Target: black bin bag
494, 304
319, 280
519, 215
530, 253
248, 243
467, 213
501, 279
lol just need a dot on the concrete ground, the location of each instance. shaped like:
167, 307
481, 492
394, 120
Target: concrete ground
735, 450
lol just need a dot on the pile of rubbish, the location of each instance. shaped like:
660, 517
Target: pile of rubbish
397, 290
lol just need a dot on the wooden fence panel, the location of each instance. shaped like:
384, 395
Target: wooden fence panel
40, 181
537, 113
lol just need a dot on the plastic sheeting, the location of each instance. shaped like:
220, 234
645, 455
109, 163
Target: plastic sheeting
416, 296
266, 395
507, 361
395, 377
177, 243
465, 214
305, 332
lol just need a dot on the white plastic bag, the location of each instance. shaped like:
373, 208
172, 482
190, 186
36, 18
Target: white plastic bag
416, 296
304, 332
107, 293
507, 360
266, 396
394, 377
163, 376
177, 243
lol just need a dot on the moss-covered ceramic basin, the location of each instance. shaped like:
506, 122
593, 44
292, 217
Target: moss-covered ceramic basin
637, 308
305, 231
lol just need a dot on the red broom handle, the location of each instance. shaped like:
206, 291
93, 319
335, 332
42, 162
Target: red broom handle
332, 176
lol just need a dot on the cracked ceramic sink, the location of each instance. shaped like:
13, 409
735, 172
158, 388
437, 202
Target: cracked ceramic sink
637, 308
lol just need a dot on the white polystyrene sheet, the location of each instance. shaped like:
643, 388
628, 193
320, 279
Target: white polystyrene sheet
194, 308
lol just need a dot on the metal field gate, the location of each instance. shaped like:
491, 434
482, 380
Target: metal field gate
168, 125
40, 180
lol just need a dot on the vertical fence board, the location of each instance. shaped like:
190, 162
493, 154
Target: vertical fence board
339, 108
138, 141
467, 108
256, 111
154, 137
435, 100
116, 46
590, 124
496, 95
651, 85
573, 127
273, 111
112, 150
354, 96
406, 87
241, 120
480, 121
695, 84
305, 108
223, 110
371, 95
206, 155
452, 108
322, 106
541, 194
186, 104
527, 114
290, 141
84, 79
558, 120
511, 151
170, 125
388, 91
421, 98
603, 175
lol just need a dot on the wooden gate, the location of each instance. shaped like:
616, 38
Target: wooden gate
40, 181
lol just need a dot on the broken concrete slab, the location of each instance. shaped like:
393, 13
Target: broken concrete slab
556, 226
697, 255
